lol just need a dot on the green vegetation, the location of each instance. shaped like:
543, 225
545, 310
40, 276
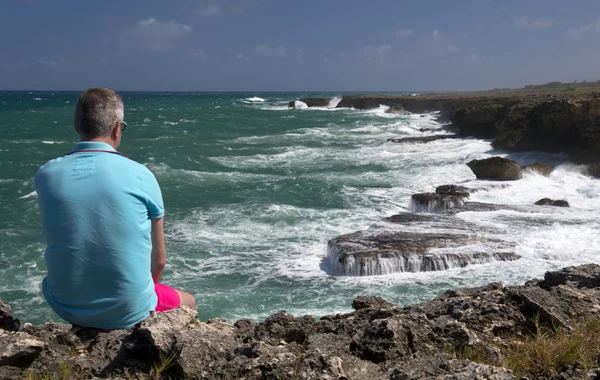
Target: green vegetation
551, 350
65, 372
548, 352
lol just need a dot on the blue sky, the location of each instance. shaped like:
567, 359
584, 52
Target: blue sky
261, 45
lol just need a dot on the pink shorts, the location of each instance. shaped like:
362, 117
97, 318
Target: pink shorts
168, 298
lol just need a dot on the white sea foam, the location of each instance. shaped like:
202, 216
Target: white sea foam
33, 194
334, 102
52, 142
300, 104
170, 123
255, 99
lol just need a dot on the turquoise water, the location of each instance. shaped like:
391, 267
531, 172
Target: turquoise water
253, 191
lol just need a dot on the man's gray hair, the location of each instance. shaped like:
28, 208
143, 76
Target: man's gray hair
97, 112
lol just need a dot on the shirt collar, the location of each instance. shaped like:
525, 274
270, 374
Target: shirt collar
92, 145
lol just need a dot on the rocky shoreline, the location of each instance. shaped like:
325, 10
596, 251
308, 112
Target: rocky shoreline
462, 334
548, 122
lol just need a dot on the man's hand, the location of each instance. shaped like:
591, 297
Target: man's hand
159, 250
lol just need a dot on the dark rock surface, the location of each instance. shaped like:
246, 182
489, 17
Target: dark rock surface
539, 167
378, 340
552, 202
496, 168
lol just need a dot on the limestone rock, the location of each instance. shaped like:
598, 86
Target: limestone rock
496, 168
19, 349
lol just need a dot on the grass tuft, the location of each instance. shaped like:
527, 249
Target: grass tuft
552, 350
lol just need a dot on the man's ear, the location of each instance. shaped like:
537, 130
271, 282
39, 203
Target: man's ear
116, 131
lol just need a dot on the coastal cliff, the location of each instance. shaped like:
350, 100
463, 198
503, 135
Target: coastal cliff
469, 333
549, 122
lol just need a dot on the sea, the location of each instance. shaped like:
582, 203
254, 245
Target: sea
254, 190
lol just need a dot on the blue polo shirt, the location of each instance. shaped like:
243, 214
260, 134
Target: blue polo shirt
96, 209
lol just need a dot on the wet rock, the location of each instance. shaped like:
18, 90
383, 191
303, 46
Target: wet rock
455, 190
496, 168
7, 322
311, 102
593, 170
539, 167
424, 139
367, 253
436, 202
552, 202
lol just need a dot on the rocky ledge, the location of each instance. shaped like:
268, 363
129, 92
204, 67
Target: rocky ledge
549, 122
378, 340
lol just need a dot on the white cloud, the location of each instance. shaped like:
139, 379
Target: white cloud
53, 62
209, 10
340, 54
241, 57
157, 35
533, 23
278, 51
198, 55
581, 31
405, 32
435, 33
473, 56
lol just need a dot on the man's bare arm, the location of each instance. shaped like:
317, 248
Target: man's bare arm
159, 250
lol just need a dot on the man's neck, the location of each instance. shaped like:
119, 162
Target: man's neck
106, 140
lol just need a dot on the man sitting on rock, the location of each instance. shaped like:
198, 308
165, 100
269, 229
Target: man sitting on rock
102, 216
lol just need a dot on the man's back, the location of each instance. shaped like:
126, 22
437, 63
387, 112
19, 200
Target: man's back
96, 209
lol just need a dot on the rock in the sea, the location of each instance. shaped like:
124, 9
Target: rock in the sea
435, 202
424, 139
7, 322
594, 170
311, 102
456, 190
552, 202
539, 167
496, 168
368, 253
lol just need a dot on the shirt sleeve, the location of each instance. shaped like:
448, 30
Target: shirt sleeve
153, 195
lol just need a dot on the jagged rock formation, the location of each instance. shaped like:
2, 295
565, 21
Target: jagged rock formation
552, 202
496, 168
378, 340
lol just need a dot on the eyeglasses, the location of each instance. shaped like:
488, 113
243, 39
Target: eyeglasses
123, 126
